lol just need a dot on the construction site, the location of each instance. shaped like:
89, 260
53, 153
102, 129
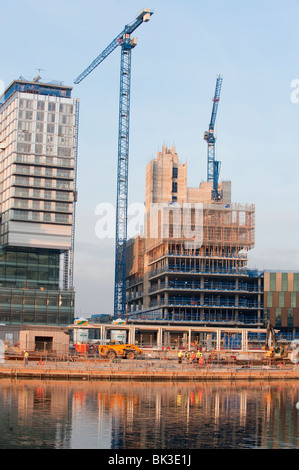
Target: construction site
182, 284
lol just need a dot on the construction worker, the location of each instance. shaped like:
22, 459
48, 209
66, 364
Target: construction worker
180, 356
198, 354
192, 358
26, 357
187, 355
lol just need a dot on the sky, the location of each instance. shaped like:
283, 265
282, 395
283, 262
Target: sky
180, 51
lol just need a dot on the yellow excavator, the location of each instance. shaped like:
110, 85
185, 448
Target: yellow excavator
274, 351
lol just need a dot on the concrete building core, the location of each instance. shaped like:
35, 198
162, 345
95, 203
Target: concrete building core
191, 263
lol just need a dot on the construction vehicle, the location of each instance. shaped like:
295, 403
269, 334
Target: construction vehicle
274, 351
115, 349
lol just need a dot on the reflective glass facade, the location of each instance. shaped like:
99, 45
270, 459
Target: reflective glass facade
36, 307
35, 269
38, 126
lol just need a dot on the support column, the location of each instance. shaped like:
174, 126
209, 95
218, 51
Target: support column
218, 340
244, 340
160, 337
103, 334
131, 335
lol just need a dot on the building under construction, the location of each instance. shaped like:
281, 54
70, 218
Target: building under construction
191, 263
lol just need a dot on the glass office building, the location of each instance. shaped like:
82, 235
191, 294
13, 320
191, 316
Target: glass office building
38, 155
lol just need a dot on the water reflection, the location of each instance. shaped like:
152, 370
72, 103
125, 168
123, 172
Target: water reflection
118, 415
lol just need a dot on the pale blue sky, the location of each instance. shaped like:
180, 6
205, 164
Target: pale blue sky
254, 45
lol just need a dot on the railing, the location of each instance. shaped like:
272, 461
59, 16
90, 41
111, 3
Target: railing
134, 295
135, 281
210, 286
186, 253
203, 320
182, 301
198, 270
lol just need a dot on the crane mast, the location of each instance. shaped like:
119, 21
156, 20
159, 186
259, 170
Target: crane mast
213, 166
123, 40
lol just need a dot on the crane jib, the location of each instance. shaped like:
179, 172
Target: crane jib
144, 16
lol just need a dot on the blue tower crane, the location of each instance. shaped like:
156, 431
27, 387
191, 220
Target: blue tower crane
127, 44
209, 136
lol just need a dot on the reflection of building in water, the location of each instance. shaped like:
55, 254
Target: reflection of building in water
197, 416
281, 418
38, 415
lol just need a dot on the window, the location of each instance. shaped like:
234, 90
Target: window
61, 195
281, 299
21, 215
26, 148
51, 117
39, 127
269, 299
47, 217
38, 149
296, 282
284, 282
174, 187
66, 108
41, 105
290, 317
64, 151
272, 281
278, 317
174, 172
23, 169
63, 173
62, 207
62, 218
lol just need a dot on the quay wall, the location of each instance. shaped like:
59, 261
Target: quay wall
149, 375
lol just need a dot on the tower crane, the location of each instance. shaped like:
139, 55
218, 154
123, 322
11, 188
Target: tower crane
209, 136
123, 40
